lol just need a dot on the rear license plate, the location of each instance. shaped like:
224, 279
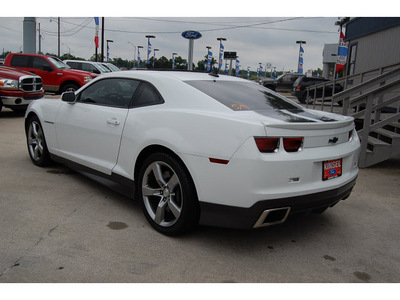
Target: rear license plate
331, 169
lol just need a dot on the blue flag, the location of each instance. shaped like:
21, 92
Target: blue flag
209, 61
149, 52
221, 55
300, 68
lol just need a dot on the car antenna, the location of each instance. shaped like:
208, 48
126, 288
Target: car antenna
214, 73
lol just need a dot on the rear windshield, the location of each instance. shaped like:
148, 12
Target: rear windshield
242, 96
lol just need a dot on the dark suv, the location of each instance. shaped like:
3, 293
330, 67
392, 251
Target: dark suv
283, 83
303, 82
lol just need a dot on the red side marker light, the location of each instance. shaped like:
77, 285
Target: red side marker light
219, 161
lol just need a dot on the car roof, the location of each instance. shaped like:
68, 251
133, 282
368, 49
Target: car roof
180, 75
81, 61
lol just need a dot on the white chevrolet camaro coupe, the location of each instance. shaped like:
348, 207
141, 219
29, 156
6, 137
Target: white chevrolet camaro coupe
199, 148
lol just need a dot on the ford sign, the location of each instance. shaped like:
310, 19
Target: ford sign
191, 35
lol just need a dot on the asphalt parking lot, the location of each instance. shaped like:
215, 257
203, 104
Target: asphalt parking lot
58, 226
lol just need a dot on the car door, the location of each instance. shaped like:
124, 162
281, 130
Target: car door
47, 71
89, 130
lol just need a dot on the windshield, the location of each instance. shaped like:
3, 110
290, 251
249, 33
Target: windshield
103, 68
58, 63
112, 67
242, 96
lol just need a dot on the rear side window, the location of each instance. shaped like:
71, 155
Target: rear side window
73, 65
147, 95
20, 61
241, 96
88, 67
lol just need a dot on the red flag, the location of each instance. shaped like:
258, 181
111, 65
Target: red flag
96, 33
342, 53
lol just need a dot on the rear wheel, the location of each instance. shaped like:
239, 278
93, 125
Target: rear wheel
306, 99
168, 197
36, 141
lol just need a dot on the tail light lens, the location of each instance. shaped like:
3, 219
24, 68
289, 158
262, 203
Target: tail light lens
351, 135
298, 88
267, 145
292, 144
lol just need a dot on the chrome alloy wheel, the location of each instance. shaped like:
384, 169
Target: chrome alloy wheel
162, 194
35, 141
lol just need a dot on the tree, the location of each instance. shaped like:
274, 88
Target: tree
70, 56
163, 63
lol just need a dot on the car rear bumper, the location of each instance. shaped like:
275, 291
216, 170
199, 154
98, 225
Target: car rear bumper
257, 215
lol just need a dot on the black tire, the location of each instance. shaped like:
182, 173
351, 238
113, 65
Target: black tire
70, 87
167, 195
271, 87
302, 99
36, 142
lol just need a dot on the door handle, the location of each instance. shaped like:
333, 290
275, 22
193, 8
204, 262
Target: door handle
113, 121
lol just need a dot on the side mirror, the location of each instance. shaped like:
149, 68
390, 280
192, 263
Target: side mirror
47, 68
69, 97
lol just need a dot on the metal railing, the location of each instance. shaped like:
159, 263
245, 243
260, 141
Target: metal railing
373, 100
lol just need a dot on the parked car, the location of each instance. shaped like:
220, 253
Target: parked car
283, 83
199, 148
303, 82
57, 76
111, 67
88, 66
18, 88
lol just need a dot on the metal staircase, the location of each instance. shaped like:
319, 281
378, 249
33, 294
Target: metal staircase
375, 105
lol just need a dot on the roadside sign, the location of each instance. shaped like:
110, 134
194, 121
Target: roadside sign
230, 55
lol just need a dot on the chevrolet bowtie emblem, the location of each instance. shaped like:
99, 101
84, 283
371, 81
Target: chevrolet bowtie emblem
334, 140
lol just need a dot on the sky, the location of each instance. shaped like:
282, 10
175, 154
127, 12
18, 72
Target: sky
257, 33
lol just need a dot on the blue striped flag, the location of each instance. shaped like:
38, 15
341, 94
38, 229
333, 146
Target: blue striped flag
300, 68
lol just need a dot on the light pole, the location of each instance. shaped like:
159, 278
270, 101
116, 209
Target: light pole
300, 63
173, 60
154, 58
149, 46
134, 51
108, 49
58, 33
221, 51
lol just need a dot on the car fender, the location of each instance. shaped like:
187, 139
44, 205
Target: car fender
46, 110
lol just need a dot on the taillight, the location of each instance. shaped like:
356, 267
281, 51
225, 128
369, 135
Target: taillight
271, 144
298, 87
292, 144
267, 145
350, 135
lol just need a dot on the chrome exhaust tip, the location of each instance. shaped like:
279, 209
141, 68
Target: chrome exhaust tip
272, 217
